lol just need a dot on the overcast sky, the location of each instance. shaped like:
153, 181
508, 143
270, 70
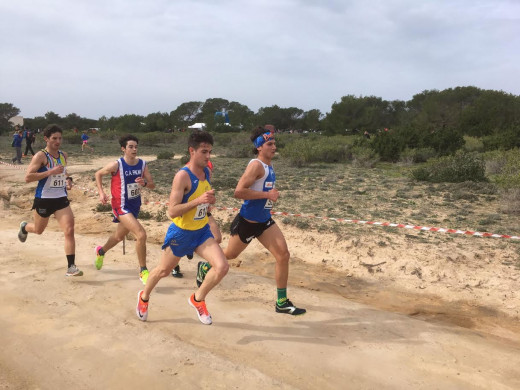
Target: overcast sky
104, 57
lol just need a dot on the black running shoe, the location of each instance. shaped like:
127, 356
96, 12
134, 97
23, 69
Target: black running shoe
288, 308
176, 272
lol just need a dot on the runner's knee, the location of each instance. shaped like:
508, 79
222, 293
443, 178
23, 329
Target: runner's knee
141, 235
283, 257
221, 269
69, 231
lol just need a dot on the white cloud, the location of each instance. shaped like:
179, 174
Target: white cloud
109, 58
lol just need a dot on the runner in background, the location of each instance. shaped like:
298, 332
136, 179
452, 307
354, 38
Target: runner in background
129, 175
84, 142
47, 167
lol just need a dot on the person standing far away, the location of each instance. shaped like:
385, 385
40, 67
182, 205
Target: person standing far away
48, 168
29, 139
189, 232
257, 188
17, 145
129, 175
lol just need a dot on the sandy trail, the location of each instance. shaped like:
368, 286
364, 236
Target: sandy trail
83, 333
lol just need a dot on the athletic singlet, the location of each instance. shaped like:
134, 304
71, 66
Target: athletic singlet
54, 186
259, 210
126, 193
196, 218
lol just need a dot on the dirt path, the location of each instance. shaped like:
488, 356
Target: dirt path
83, 333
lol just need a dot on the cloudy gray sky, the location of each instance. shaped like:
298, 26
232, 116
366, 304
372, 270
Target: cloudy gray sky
105, 57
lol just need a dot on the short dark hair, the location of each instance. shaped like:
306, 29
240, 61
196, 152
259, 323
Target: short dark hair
259, 130
123, 141
198, 137
51, 129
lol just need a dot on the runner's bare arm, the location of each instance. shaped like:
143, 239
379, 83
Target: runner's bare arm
253, 172
39, 160
146, 180
108, 169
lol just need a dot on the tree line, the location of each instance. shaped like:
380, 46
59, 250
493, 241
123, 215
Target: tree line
471, 111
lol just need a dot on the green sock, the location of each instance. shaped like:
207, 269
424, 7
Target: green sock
282, 295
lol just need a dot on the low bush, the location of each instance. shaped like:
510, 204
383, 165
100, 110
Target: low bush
452, 169
185, 159
70, 137
510, 199
504, 167
418, 155
473, 144
239, 151
364, 157
165, 155
304, 151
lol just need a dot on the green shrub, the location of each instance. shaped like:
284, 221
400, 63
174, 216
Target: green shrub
306, 150
504, 167
452, 169
102, 208
510, 198
70, 137
228, 139
151, 139
161, 215
239, 151
185, 159
224, 182
364, 157
145, 215
110, 135
165, 155
495, 162
387, 146
419, 155
506, 139
473, 144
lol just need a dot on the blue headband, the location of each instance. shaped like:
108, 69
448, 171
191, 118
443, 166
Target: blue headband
263, 138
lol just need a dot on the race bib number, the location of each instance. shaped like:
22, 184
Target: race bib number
133, 190
201, 211
268, 204
58, 181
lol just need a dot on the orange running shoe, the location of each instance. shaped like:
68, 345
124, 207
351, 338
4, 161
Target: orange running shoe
142, 307
202, 312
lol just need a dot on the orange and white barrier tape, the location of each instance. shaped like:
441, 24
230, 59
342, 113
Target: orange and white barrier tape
360, 222
345, 220
405, 226
14, 166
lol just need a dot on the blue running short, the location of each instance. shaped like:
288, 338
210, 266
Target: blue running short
183, 242
117, 211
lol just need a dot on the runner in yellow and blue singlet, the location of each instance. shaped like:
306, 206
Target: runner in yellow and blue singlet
189, 232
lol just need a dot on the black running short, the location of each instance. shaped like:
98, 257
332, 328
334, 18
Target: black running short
248, 230
45, 207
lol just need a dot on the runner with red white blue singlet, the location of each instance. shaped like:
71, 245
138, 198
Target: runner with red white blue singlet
126, 193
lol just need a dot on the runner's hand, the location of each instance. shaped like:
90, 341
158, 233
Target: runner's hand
207, 197
103, 198
273, 194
